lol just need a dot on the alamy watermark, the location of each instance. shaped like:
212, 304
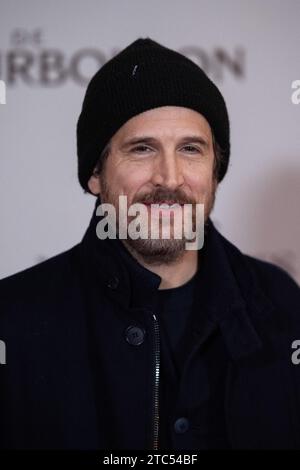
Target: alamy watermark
296, 354
152, 221
295, 97
2, 352
2, 92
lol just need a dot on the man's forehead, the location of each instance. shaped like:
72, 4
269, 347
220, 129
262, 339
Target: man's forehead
165, 122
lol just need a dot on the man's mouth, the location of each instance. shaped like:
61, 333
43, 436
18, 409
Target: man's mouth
167, 205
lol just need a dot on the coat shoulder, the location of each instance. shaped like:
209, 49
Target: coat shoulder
275, 282
273, 278
283, 291
42, 280
280, 288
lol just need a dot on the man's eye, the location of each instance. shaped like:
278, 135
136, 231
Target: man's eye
141, 149
191, 148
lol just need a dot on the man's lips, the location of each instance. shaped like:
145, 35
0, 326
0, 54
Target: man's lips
164, 204
163, 207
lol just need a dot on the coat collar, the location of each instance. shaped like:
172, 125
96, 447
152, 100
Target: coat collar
105, 261
231, 296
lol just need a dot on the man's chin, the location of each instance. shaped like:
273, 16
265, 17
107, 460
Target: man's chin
155, 252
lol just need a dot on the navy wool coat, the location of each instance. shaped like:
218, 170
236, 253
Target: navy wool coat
69, 383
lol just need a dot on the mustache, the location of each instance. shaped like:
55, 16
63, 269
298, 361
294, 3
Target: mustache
165, 194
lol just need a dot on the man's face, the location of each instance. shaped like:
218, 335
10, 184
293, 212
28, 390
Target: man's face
164, 155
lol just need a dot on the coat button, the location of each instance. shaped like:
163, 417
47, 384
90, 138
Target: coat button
135, 335
113, 283
181, 425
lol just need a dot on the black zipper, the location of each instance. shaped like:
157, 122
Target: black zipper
156, 372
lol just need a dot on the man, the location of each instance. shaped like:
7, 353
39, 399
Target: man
141, 343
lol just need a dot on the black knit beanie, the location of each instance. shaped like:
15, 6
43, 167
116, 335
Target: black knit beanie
143, 76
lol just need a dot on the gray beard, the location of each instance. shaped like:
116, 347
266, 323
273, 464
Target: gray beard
158, 251
155, 252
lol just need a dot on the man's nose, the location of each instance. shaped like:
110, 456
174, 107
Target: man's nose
167, 171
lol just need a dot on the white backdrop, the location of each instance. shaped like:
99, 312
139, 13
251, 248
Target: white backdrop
48, 51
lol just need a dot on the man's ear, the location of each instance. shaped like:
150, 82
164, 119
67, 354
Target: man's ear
94, 184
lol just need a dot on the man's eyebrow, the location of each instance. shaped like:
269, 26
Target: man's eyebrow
144, 139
